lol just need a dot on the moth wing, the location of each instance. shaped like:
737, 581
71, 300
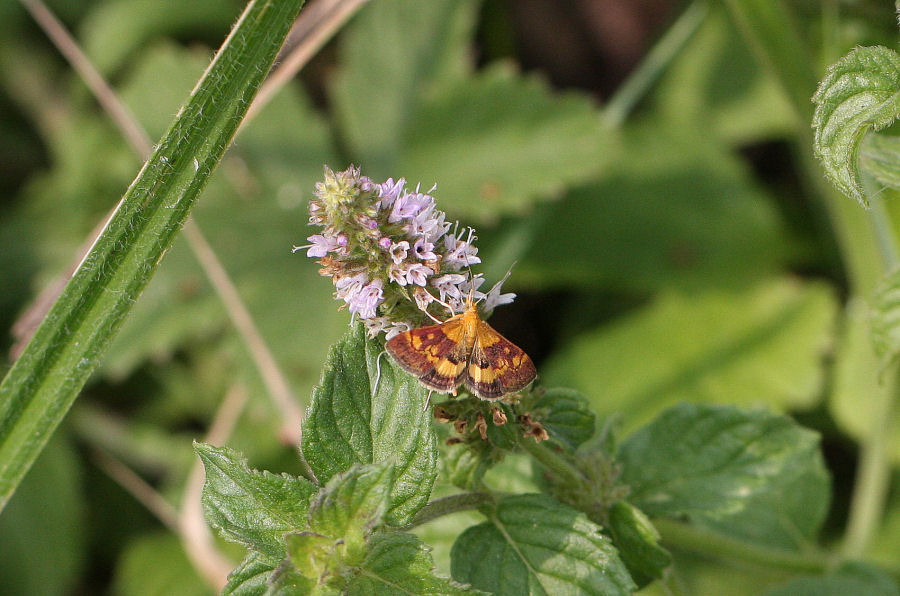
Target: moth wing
497, 366
434, 354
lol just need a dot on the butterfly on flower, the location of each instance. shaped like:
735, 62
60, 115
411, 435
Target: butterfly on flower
463, 350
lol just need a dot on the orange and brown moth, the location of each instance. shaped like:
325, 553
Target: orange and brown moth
463, 350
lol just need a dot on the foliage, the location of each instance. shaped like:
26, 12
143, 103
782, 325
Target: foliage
714, 322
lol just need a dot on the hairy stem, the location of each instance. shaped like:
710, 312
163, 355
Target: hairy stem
554, 462
447, 505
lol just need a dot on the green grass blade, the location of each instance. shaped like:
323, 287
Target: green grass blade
41, 386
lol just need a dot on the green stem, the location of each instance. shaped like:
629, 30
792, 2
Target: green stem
447, 505
654, 64
702, 541
553, 461
872, 479
874, 472
881, 222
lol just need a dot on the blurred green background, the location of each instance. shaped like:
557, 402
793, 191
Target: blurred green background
682, 254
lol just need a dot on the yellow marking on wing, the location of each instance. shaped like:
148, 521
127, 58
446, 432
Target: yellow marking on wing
486, 334
447, 368
455, 330
482, 375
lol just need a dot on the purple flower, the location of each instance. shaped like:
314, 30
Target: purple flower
429, 224
417, 274
399, 251
424, 250
366, 300
494, 298
447, 285
322, 245
409, 274
422, 297
375, 234
459, 253
397, 274
388, 191
348, 287
409, 205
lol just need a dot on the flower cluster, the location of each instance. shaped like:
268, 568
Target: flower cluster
391, 253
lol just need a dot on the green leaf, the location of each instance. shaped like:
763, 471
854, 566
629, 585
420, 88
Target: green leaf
851, 578
750, 347
367, 410
399, 563
466, 463
886, 318
638, 543
382, 84
566, 415
532, 544
342, 542
498, 141
675, 209
859, 93
502, 437
351, 506
249, 507
880, 156
250, 578
41, 386
286, 581
494, 142
750, 475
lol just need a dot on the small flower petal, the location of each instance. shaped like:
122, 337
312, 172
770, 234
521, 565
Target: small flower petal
399, 250
424, 250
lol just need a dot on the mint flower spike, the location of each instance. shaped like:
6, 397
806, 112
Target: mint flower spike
391, 254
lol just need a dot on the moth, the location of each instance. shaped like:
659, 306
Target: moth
463, 350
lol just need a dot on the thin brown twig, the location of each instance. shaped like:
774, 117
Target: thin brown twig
145, 494
273, 378
276, 384
318, 22
67, 46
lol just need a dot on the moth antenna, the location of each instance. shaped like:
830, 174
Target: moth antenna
427, 400
432, 317
470, 298
442, 303
378, 372
425, 310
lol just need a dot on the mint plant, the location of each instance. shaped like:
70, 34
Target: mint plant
370, 446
